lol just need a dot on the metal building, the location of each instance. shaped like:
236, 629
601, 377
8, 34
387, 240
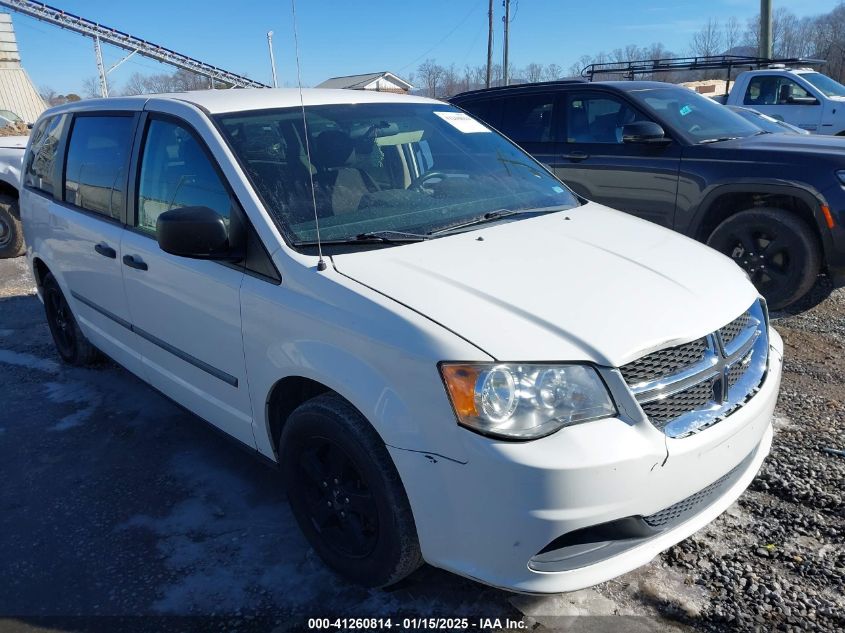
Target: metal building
17, 93
382, 82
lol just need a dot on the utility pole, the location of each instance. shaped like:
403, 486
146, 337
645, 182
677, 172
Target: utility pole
507, 21
489, 43
272, 58
765, 29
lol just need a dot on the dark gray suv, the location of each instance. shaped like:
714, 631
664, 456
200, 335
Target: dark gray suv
774, 203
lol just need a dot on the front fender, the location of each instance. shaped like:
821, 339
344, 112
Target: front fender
379, 355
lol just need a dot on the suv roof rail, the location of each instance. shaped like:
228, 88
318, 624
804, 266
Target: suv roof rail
632, 69
537, 84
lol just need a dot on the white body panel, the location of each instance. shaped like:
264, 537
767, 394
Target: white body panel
11, 159
589, 284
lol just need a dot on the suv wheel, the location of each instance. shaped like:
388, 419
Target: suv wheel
346, 494
70, 342
778, 251
11, 233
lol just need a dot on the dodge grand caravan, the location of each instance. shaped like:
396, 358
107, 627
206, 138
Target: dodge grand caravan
451, 357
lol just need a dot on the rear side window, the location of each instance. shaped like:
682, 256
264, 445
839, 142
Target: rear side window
97, 158
176, 172
528, 118
38, 172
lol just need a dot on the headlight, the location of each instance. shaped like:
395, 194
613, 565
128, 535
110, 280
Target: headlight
519, 401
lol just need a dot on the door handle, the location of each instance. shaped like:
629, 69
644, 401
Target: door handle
576, 156
105, 250
133, 261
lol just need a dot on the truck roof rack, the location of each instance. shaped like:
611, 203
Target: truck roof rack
632, 69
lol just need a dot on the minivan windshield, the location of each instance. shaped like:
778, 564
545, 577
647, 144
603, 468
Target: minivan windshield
400, 170
830, 87
698, 118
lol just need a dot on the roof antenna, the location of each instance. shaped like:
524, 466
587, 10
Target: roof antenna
321, 263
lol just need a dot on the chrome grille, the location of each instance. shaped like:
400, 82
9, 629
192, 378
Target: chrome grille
664, 362
672, 406
687, 388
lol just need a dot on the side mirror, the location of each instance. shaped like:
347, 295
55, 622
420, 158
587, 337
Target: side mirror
644, 132
802, 101
196, 232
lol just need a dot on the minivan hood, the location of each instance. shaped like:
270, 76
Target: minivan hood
585, 284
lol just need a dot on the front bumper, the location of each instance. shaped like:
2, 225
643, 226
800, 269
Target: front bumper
489, 517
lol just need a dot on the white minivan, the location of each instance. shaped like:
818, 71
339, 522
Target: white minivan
452, 357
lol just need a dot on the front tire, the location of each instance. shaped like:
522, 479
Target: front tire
346, 494
11, 232
779, 252
71, 344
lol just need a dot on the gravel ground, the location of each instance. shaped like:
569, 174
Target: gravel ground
115, 502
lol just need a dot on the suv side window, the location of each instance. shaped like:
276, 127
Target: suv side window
773, 90
38, 172
598, 118
529, 118
176, 172
97, 157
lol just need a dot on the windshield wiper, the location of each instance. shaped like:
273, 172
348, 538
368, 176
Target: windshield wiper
493, 216
370, 237
490, 216
717, 140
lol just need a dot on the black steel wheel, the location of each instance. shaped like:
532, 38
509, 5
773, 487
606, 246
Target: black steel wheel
70, 342
346, 494
778, 250
11, 233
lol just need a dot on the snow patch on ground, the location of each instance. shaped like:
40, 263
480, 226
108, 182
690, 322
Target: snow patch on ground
77, 393
29, 361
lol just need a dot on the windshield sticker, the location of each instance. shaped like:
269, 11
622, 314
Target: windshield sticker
685, 110
557, 189
462, 122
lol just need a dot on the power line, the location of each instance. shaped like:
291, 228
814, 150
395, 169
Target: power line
443, 39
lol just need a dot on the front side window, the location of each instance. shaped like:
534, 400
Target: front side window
97, 155
774, 90
598, 118
528, 118
177, 172
384, 167
697, 118
38, 172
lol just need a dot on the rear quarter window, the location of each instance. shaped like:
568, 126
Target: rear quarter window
38, 171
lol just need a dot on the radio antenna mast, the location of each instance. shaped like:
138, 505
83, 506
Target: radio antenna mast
321, 263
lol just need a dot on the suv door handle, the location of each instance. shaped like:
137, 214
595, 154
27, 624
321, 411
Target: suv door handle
576, 156
133, 261
105, 250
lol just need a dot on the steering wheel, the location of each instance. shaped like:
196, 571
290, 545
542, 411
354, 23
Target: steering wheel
418, 182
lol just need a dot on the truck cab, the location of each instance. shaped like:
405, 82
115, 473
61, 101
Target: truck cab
800, 96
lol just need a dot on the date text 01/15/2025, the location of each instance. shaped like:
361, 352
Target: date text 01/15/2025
416, 624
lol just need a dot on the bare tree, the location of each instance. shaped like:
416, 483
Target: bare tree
533, 72
431, 74
552, 72
732, 34
707, 41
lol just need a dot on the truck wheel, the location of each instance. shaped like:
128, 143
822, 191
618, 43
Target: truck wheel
346, 494
70, 342
11, 233
778, 251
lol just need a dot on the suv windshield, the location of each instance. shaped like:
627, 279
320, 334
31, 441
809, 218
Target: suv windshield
700, 119
830, 87
385, 167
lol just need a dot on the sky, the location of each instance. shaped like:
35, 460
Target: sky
344, 37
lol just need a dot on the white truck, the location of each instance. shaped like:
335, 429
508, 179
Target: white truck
801, 96
12, 149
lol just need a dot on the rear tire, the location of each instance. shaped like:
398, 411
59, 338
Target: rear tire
778, 250
346, 494
11, 232
71, 344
